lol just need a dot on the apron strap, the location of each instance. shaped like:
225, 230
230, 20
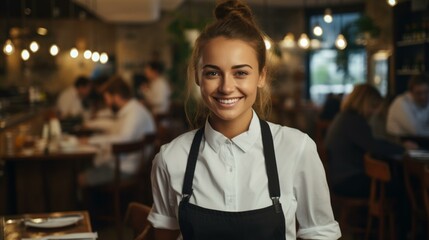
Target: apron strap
270, 161
192, 161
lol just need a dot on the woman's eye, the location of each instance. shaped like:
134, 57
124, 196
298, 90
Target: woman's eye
241, 74
211, 74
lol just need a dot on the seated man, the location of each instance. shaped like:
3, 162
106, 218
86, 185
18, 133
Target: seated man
133, 121
157, 93
70, 101
409, 113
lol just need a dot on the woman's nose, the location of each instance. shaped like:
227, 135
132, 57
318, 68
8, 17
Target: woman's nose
228, 84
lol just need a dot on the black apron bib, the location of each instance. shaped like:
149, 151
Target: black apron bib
197, 223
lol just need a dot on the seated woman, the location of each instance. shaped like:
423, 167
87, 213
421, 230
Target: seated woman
350, 137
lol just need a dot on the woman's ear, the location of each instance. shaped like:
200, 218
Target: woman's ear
262, 78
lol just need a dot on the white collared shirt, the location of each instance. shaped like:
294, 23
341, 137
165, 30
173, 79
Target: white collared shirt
69, 103
406, 118
158, 95
133, 121
230, 175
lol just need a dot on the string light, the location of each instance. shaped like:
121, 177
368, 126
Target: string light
391, 2
328, 16
25, 54
8, 47
87, 54
317, 30
304, 41
104, 58
53, 50
95, 57
74, 53
34, 46
341, 42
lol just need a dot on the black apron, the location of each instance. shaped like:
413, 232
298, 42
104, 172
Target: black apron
198, 223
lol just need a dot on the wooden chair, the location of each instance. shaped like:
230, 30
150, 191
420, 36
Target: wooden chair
138, 184
136, 218
346, 208
425, 188
380, 206
413, 178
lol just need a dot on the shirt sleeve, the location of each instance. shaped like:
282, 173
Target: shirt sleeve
399, 121
163, 212
314, 211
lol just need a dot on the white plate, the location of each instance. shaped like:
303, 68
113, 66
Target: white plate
420, 154
52, 222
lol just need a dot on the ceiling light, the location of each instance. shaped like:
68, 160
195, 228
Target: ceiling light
95, 56
87, 54
104, 58
288, 41
391, 2
8, 47
42, 31
341, 42
304, 41
267, 44
328, 16
25, 54
74, 53
34, 46
317, 30
53, 50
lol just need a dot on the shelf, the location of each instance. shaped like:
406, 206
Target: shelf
408, 72
405, 43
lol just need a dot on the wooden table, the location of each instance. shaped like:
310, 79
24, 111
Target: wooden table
13, 228
39, 182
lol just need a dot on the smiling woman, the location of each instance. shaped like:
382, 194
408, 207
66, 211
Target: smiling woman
232, 178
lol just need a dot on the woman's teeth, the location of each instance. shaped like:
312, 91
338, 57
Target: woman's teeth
228, 101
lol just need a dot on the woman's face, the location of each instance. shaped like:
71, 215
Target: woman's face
229, 78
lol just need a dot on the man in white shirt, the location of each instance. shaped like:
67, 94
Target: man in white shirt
70, 101
157, 93
409, 113
133, 122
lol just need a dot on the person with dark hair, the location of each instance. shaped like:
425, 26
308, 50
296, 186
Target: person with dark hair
132, 122
409, 113
238, 176
70, 103
157, 93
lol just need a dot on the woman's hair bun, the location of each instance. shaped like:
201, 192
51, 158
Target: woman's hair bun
232, 9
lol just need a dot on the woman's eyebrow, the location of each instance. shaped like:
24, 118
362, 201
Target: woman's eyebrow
233, 67
241, 66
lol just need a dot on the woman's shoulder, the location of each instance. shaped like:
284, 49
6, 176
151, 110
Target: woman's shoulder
178, 147
285, 133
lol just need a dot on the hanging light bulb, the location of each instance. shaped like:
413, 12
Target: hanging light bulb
8, 47
304, 41
288, 41
341, 42
95, 56
25, 54
315, 43
267, 44
391, 2
328, 16
87, 54
318, 30
74, 53
104, 58
34, 46
53, 50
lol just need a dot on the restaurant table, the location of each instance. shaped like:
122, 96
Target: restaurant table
13, 227
44, 182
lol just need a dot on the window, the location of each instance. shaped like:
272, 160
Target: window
332, 70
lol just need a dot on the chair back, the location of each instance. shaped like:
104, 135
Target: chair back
425, 188
377, 169
136, 218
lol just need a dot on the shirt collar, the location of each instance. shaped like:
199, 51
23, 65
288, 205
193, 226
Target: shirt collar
244, 141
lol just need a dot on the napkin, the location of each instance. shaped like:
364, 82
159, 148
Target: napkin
75, 236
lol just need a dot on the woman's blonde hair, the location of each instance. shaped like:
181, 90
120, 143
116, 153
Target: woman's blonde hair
234, 20
363, 98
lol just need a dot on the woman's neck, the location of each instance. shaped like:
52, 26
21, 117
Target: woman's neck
231, 128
